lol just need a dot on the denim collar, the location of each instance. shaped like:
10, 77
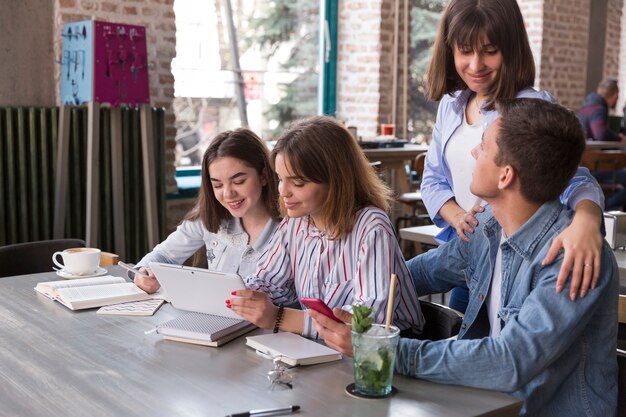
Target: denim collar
526, 238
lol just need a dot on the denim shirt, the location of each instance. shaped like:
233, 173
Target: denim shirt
226, 251
437, 184
555, 354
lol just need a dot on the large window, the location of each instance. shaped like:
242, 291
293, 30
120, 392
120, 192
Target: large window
277, 44
425, 16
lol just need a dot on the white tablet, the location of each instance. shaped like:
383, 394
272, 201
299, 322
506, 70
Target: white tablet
196, 289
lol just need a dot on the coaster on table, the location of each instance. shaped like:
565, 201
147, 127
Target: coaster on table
351, 391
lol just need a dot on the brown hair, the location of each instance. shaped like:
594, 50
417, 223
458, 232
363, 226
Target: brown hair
543, 142
322, 151
245, 145
464, 22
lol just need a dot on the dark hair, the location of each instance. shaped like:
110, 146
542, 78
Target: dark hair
464, 22
607, 87
543, 142
322, 151
245, 145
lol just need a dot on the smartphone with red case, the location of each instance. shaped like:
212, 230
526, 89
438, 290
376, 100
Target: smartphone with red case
319, 306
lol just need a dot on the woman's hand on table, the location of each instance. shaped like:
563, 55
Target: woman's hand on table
336, 335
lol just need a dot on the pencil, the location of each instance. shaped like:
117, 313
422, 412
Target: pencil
392, 287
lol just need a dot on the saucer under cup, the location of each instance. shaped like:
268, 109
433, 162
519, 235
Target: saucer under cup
66, 275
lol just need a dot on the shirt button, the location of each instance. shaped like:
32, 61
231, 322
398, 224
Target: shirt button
481, 297
214, 243
463, 326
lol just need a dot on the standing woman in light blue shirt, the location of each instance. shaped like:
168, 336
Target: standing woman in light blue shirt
235, 215
481, 54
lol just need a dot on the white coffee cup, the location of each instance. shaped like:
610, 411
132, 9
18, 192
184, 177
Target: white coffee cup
78, 261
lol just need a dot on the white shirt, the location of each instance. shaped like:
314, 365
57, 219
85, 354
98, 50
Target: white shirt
226, 251
458, 153
494, 299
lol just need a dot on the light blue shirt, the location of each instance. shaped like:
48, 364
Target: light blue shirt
436, 184
555, 354
226, 251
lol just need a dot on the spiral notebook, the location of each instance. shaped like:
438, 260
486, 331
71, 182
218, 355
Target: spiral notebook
204, 329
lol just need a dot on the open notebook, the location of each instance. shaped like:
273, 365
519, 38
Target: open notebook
204, 329
84, 293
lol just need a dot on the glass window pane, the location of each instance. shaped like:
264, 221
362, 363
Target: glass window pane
425, 16
278, 55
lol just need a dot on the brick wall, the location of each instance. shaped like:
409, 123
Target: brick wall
158, 18
365, 64
564, 50
358, 64
613, 38
621, 102
532, 11
561, 47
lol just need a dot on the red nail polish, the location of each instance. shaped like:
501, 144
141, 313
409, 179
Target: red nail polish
233, 293
227, 302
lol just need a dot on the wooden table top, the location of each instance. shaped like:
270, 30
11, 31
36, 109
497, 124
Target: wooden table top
56, 362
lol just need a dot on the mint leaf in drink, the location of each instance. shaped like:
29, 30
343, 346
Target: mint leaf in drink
362, 318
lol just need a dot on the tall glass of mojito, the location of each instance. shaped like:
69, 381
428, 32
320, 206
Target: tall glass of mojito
374, 354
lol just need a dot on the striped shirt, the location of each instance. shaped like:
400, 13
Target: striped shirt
300, 261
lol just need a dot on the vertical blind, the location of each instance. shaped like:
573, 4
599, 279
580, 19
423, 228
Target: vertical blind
28, 146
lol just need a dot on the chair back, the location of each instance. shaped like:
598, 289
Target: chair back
604, 160
33, 257
418, 164
441, 322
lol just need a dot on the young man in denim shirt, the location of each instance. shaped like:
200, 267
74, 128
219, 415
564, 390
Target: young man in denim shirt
518, 334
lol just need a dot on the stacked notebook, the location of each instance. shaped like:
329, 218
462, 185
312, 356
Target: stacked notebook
204, 329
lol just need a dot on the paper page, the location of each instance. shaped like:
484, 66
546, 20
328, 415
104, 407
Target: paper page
135, 308
99, 295
48, 288
99, 291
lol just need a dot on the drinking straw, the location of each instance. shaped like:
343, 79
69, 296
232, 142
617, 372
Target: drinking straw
390, 301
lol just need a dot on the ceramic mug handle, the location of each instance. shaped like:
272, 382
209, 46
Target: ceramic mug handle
54, 259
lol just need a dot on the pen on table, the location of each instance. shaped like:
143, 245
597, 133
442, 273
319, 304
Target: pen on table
131, 269
267, 412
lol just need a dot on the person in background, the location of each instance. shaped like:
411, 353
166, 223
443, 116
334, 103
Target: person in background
518, 335
481, 54
594, 115
235, 215
335, 242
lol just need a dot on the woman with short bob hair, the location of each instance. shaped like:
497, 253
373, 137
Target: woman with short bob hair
235, 215
336, 241
482, 54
